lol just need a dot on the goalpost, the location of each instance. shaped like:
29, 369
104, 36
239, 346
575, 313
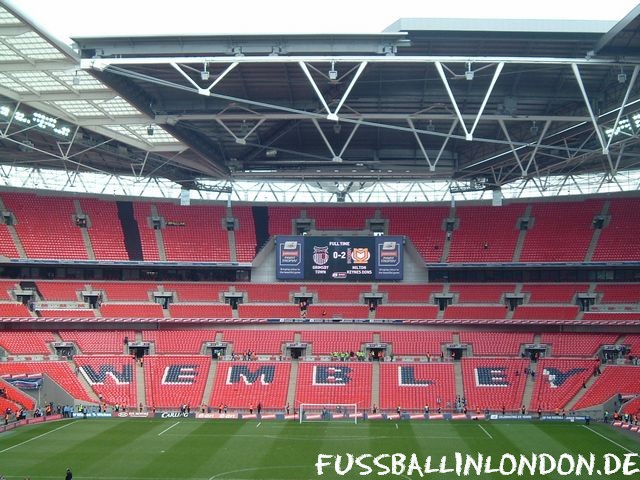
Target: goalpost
326, 412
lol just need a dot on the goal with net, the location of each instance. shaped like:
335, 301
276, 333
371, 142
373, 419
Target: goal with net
327, 412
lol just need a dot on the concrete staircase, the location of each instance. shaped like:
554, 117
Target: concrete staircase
293, 381
159, 239
141, 392
208, 388
523, 234
582, 391
375, 384
84, 383
596, 234
14, 235
84, 232
528, 389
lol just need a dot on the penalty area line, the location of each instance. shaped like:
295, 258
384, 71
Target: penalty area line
607, 439
36, 437
168, 428
259, 423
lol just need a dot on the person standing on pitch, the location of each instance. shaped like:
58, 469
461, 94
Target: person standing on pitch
68, 475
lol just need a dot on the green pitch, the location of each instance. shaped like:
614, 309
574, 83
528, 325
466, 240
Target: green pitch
157, 449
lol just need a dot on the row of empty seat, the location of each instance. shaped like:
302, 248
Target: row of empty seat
480, 233
421, 343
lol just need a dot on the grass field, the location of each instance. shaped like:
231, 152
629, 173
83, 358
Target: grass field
147, 449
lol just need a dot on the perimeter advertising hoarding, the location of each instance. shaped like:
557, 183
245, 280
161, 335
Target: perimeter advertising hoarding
347, 259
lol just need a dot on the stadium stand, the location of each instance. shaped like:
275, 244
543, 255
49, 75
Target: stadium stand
7, 246
342, 293
14, 310
576, 344
24, 342
620, 239
245, 234
195, 234
268, 311
46, 226
112, 378
409, 293
66, 313
416, 342
267, 342
615, 379
485, 234
480, 293
240, 385
172, 380
131, 310
337, 311
105, 230
7, 286
530, 312
328, 341
184, 310
16, 395
124, 291
427, 234
267, 292
92, 342
172, 341
558, 381
554, 223
494, 384
59, 290
414, 386
619, 293
142, 217
553, 292
418, 312
475, 312
196, 292
495, 343
281, 220
59, 372
343, 382
632, 407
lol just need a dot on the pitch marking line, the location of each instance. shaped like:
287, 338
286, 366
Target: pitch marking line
168, 428
485, 431
608, 439
39, 436
259, 423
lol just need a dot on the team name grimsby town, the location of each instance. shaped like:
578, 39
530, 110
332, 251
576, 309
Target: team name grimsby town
413, 466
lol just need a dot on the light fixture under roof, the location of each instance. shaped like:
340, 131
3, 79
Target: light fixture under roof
469, 74
622, 77
333, 73
204, 74
150, 130
534, 128
76, 79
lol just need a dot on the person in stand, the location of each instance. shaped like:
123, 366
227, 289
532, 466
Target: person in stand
259, 408
251, 409
68, 475
287, 408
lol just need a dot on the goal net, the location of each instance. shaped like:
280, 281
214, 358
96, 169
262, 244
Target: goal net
327, 412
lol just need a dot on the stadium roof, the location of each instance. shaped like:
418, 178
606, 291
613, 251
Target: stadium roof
477, 103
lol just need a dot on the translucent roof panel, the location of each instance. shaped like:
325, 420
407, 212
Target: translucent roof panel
6, 81
39, 81
140, 132
117, 106
79, 108
84, 80
33, 46
7, 18
7, 54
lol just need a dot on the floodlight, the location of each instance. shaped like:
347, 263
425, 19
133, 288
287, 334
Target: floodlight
469, 73
150, 130
333, 73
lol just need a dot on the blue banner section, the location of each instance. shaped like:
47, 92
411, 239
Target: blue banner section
27, 382
349, 259
289, 258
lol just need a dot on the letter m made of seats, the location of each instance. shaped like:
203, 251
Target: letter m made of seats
242, 373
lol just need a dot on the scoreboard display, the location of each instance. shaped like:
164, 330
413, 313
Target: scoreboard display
348, 259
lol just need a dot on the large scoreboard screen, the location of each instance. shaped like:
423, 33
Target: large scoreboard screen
350, 259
